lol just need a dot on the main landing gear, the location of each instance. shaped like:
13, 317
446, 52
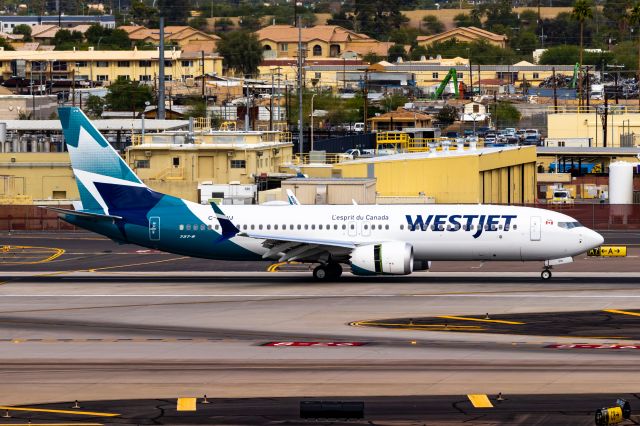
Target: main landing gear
327, 271
546, 274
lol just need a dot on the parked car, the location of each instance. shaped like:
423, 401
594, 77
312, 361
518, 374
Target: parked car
520, 134
490, 139
531, 140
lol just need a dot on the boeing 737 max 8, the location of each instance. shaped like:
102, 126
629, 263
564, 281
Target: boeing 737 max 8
372, 239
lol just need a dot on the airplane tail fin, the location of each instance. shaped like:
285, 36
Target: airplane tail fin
104, 180
293, 200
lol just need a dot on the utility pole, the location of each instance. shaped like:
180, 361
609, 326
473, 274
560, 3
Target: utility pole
271, 105
366, 99
604, 119
300, 71
555, 91
161, 109
202, 68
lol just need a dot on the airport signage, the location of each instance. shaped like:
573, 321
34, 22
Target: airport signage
315, 344
608, 251
592, 346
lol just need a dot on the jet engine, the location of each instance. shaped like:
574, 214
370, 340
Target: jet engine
392, 258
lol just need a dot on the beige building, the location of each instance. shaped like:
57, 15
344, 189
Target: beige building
187, 38
466, 35
320, 41
15, 107
400, 119
106, 66
622, 125
168, 162
485, 175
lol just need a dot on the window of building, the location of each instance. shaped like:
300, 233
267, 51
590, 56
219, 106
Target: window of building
238, 164
536, 75
434, 75
141, 164
318, 75
186, 76
59, 195
317, 50
168, 77
81, 64
167, 63
460, 75
123, 77
102, 64
283, 47
187, 64
102, 77
476, 108
144, 63
123, 64
59, 66
175, 161
144, 77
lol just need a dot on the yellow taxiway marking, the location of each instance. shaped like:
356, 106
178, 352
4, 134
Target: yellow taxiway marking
55, 253
616, 311
480, 320
131, 264
480, 401
415, 326
46, 410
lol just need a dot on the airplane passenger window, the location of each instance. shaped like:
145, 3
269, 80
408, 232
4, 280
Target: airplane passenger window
515, 227
202, 227
320, 227
328, 227
209, 227
433, 227
268, 226
352, 226
217, 227
313, 226
486, 227
299, 227
380, 226
500, 227
386, 227
181, 227
260, 226
366, 227
188, 227
275, 227
344, 226
306, 226
243, 227
253, 227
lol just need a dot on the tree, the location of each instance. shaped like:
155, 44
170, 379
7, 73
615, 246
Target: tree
432, 24
143, 14
175, 12
581, 12
241, 51
378, 17
396, 51
372, 58
479, 52
199, 22
250, 23
222, 25
448, 115
23, 29
505, 113
95, 105
125, 95
404, 35
107, 38
418, 52
634, 20
67, 40
569, 54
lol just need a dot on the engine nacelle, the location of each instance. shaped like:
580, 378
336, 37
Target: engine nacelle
393, 258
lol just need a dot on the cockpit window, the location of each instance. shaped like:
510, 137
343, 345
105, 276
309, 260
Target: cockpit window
569, 225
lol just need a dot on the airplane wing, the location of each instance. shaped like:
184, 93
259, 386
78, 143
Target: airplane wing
297, 248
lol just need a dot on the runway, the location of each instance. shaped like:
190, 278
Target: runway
96, 326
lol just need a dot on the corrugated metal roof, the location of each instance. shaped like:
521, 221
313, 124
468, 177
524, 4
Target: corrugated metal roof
120, 124
567, 150
438, 154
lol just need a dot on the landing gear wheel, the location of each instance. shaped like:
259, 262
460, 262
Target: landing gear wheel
546, 274
320, 273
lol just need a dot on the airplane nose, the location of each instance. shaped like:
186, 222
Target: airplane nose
595, 239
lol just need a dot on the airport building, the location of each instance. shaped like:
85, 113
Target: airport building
177, 162
484, 175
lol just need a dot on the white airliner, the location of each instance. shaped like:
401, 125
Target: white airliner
372, 239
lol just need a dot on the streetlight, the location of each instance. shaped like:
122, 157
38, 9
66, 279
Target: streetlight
312, 96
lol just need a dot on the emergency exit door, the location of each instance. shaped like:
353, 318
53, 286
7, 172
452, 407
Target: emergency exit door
536, 230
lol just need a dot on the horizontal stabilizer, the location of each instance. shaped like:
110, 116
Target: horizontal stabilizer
98, 216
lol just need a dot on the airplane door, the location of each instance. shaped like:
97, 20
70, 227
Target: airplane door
535, 228
154, 228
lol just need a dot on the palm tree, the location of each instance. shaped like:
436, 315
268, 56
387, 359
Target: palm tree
581, 12
634, 20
